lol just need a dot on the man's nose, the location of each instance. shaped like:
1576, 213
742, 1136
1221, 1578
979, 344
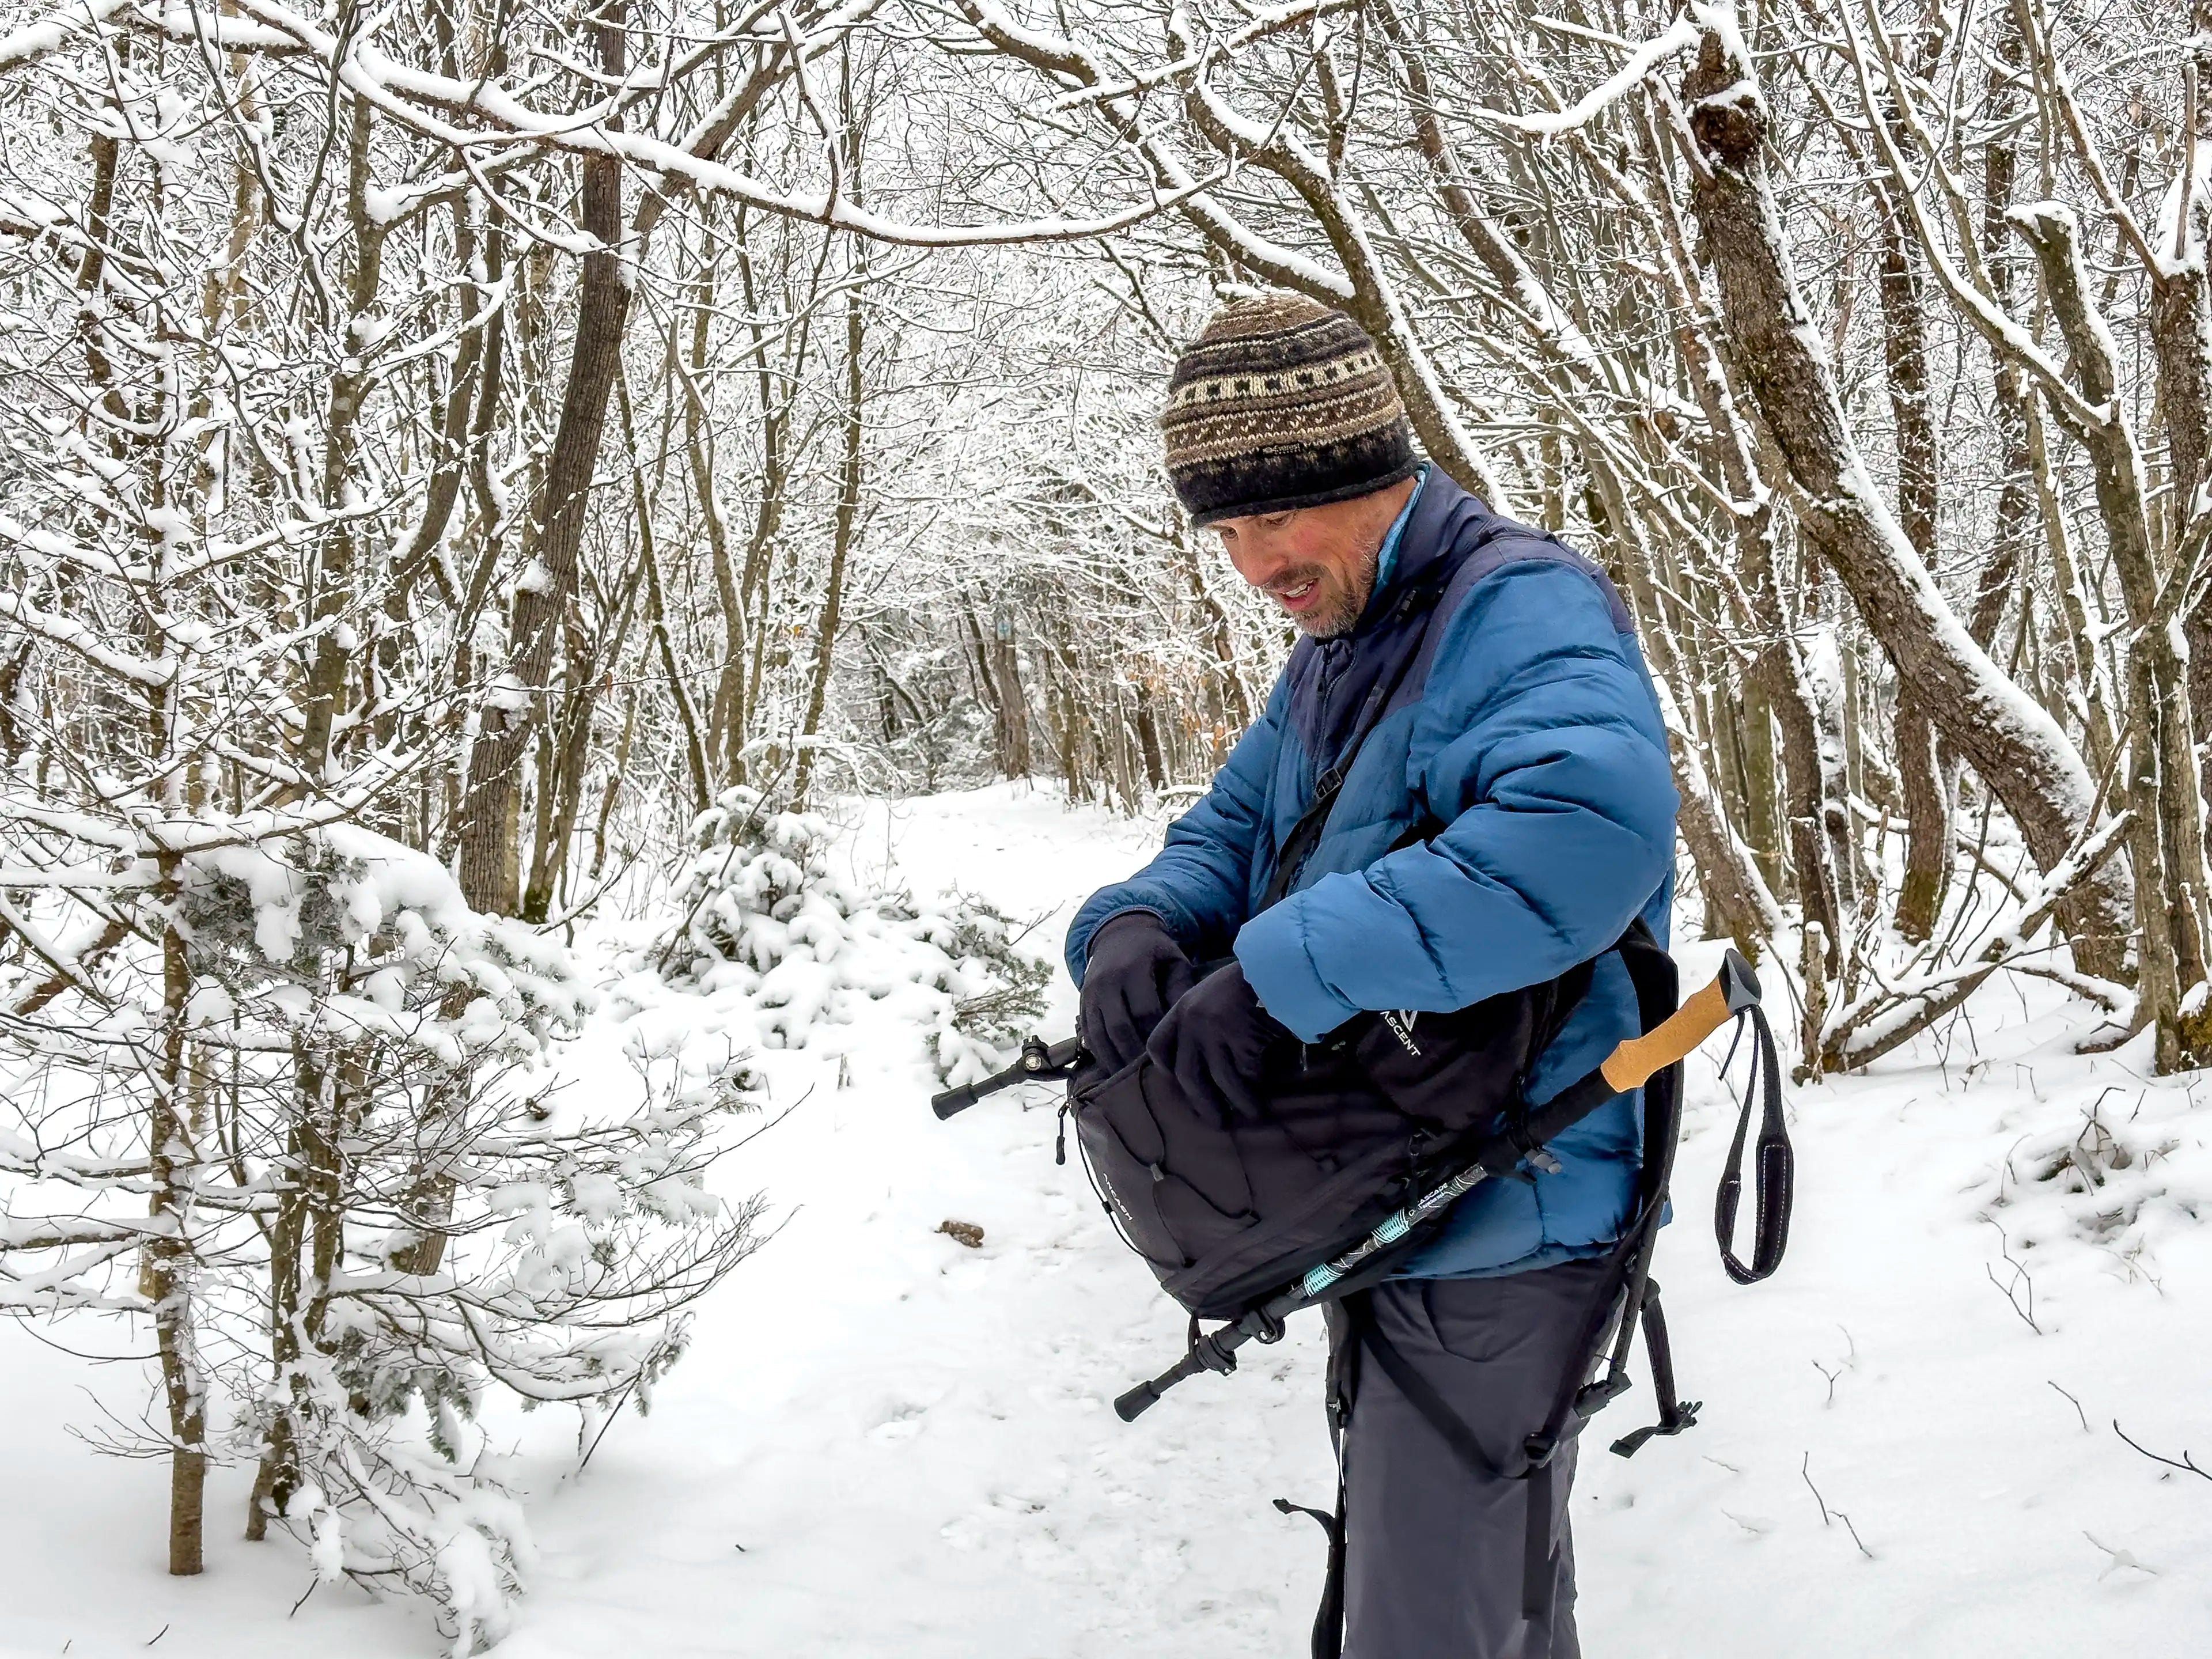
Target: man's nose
1255, 562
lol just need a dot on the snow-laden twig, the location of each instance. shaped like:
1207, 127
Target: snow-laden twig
1682, 36
2122, 1559
32, 42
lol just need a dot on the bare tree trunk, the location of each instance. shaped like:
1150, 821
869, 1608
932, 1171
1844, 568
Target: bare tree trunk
695, 752
2022, 754
2181, 322
171, 1172
491, 871
2167, 849
726, 713
1220, 636
2181, 335
776, 397
1738, 902
613, 790
1148, 738
1926, 796
1751, 720
844, 526
350, 387
2013, 531
1014, 706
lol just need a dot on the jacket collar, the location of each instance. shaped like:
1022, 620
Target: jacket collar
1424, 538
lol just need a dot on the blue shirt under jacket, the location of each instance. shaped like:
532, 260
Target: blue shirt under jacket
1522, 720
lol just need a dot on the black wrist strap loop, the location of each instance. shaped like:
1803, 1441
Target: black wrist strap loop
1773, 1162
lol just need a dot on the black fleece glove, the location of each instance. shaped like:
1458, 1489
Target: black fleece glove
1214, 1043
1131, 973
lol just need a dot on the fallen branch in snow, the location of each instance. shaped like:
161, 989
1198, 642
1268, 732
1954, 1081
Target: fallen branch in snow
1893, 1014
1827, 1515
2120, 1557
1832, 1376
2020, 1293
2186, 1461
2078, 1412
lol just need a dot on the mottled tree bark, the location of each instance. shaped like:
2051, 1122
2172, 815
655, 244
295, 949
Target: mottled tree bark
2167, 850
1926, 794
2022, 754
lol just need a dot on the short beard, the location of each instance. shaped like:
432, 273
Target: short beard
1340, 620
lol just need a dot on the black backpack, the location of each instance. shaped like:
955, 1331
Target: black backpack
1357, 1126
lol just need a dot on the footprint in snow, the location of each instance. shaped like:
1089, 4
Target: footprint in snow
903, 1424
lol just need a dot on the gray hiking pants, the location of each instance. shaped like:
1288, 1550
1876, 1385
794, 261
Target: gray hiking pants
1435, 1550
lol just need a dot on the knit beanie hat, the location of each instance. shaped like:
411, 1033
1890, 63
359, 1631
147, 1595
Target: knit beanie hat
1282, 401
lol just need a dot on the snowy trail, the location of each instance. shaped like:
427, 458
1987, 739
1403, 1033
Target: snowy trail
883, 1443
911, 1439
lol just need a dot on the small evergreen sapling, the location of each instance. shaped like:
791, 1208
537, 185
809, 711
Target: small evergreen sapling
765, 912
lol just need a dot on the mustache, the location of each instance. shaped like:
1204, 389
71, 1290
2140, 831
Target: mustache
1298, 578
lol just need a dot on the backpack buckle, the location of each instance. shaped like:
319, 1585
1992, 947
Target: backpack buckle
1595, 1397
1684, 1416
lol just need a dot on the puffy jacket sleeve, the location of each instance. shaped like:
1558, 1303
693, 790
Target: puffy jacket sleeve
1200, 885
1538, 743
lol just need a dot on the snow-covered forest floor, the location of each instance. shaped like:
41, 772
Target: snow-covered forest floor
885, 1443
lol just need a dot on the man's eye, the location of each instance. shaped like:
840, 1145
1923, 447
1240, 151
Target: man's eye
1277, 520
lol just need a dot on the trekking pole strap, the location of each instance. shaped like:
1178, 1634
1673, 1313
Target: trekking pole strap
1773, 1166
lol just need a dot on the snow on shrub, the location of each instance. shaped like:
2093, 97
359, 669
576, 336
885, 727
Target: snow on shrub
2123, 1174
395, 1211
765, 914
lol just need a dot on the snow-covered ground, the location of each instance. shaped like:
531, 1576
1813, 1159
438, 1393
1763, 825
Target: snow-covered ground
885, 1443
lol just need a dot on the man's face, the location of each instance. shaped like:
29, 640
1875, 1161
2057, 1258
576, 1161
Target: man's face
1316, 563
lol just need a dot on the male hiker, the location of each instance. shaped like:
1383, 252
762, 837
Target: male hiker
1503, 811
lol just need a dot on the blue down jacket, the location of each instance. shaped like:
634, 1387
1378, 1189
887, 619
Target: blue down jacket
1517, 714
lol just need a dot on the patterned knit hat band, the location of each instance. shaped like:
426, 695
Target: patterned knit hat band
1282, 403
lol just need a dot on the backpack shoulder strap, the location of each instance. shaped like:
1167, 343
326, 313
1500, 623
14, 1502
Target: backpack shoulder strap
1497, 544
1305, 834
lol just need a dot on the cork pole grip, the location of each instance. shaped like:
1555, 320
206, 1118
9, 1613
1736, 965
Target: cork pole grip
1705, 1012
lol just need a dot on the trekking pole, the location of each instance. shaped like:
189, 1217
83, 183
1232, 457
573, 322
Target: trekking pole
1732, 991
1041, 1062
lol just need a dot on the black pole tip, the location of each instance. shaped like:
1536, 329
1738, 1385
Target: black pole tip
1135, 1403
